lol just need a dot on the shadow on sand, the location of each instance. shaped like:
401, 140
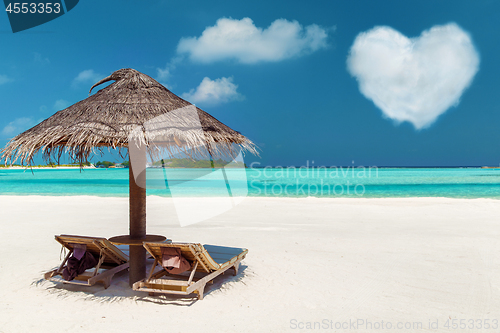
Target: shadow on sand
120, 291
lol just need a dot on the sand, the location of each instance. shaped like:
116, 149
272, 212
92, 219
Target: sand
337, 265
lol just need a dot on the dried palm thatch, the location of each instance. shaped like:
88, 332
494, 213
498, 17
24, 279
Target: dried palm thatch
134, 108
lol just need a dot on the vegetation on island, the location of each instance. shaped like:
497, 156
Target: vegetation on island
104, 164
48, 165
191, 163
167, 163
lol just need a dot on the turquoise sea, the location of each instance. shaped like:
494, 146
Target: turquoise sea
271, 182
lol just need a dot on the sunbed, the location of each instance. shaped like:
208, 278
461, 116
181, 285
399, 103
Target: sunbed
208, 260
111, 260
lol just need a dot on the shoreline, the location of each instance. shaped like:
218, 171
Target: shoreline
273, 167
255, 198
348, 198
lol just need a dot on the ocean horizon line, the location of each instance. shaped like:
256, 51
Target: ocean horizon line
380, 167
64, 166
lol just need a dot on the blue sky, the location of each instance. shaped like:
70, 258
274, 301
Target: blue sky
305, 82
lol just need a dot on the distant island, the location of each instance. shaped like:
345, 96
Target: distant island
107, 164
177, 163
52, 165
167, 163
86, 165
191, 163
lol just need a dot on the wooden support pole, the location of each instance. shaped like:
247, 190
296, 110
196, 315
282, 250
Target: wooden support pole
137, 206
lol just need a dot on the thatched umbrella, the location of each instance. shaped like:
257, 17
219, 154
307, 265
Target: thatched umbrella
121, 114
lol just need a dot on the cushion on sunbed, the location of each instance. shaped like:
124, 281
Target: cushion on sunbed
77, 266
173, 261
79, 250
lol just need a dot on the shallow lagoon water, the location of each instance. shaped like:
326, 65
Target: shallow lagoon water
273, 182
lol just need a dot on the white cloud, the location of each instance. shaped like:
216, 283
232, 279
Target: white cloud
164, 74
41, 60
213, 92
243, 41
18, 125
4, 79
414, 79
87, 76
61, 104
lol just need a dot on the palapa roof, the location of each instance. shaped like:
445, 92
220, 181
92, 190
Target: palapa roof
134, 107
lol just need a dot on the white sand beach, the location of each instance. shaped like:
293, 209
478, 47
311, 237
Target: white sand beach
329, 261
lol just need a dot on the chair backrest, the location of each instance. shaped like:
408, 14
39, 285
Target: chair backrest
95, 245
191, 251
196, 252
224, 255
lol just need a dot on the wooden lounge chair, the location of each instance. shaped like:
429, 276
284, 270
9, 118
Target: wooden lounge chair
111, 261
210, 260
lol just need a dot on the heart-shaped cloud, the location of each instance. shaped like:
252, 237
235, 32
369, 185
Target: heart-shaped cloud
413, 79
